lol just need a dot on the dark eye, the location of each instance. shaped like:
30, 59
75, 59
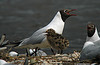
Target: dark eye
92, 26
65, 10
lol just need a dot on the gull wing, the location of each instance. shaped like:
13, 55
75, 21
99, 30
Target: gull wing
36, 38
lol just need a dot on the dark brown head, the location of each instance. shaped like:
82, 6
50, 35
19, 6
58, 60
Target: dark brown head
90, 29
50, 31
66, 13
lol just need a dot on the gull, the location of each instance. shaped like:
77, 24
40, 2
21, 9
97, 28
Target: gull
38, 39
57, 41
92, 33
91, 47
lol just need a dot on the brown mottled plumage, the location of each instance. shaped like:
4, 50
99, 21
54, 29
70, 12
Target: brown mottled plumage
57, 41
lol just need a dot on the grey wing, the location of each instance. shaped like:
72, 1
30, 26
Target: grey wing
36, 38
33, 40
89, 52
97, 43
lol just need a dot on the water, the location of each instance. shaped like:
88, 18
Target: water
20, 18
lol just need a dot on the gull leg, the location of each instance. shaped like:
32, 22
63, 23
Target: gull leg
36, 49
61, 51
58, 51
27, 52
52, 51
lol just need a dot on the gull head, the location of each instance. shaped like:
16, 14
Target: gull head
50, 31
90, 29
65, 13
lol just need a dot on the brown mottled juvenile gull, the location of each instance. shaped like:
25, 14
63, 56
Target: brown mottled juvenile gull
57, 41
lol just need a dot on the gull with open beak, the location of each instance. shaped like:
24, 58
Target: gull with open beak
39, 39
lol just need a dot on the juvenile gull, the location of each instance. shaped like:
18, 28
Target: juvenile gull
57, 41
38, 39
91, 47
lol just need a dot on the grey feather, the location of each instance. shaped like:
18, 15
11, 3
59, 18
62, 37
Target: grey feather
37, 37
90, 52
97, 43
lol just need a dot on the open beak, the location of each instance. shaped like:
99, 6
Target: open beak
68, 12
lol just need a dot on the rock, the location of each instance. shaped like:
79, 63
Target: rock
13, 53
3, 62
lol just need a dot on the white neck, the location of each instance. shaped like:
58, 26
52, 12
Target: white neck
86, 44
94, 38
57, 23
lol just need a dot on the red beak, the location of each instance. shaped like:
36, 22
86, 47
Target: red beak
68, 12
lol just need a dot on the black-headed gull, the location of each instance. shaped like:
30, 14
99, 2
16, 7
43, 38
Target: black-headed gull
38, 39
92, 33
91, 47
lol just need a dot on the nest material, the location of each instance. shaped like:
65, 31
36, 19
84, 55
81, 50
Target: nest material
50, 59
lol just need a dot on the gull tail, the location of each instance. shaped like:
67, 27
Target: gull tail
10, 44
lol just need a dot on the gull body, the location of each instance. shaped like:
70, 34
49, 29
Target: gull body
91, 47
38, 39
39, 36
57, 41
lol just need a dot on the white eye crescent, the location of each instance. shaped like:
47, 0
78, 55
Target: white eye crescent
65, 10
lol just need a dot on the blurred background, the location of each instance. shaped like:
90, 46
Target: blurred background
19, 19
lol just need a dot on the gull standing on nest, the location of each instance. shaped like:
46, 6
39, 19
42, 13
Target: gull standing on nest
38, 39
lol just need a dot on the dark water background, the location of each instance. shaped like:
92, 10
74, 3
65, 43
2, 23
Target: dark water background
21, 18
